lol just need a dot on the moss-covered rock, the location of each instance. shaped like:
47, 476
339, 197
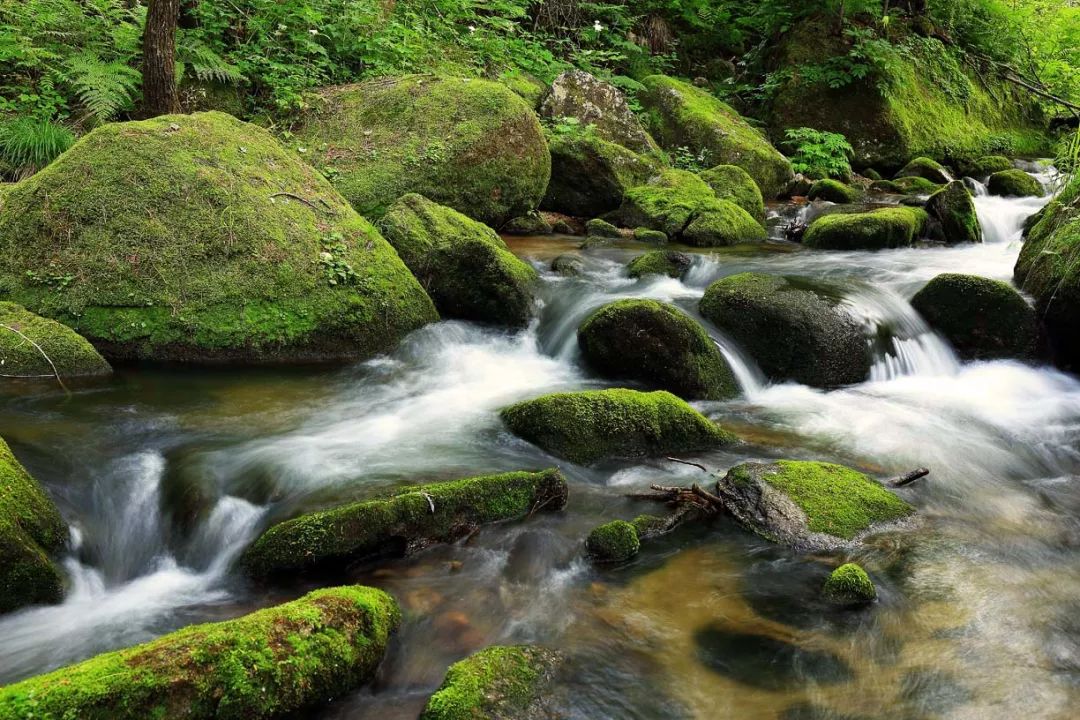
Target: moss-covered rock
659, 262
405, 522
590, 175
499, 682
33, 346
731, 182
832, 191
793, 329
874, 230
849, 586
463, 264
906, 186
600, 228
528, 88
1014, 183
681, 115
952, 214
988, 165
656, 344
264, 665
599, 105
589, 426
613, 542
199, 238
31, 530
927, 169
651, 237
470, 144
568, 265
808, 505
983, 319
531, 224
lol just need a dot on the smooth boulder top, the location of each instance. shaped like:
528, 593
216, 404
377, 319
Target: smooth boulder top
731, 182
577, 94
500, 683
613, 542
34, 347
953, 216
926, 168
832, 191
873, 230
849, 586
199, 238
1014, 183
473, 145
660, 262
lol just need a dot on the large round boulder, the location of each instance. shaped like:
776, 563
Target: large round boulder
32, 346
592, 102
926, 168
463, 264
952, 215
656, 344
199, 238
671, 263
590, 175
1014, 183
983, 319
832, 191
873, 230
731, 182
471, 144
793, 329
500, 682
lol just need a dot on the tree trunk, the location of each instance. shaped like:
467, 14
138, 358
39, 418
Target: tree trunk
159, 58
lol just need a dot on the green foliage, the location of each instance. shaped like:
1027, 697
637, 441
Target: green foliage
684, 158
28, 144
103, 88
819, 154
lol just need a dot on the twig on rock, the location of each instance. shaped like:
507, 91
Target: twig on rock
908, 478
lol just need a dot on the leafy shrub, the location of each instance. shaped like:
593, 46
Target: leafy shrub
819, 154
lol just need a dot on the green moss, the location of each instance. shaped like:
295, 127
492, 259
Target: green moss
926, 168
649, 526
681, 115
586, 427
31, 346
906, 186
613, 542
651, 237
983, 319
598, 228
463, 264
590, 175
833, 191
263, 665
31, 530
656, 344
525, 86
988, 165
402, 522
724, 224
659, 262
953, 212
525, 225
731, 182
198, 237
497, 682
850, 585
470, 144
874, 230
1014, 183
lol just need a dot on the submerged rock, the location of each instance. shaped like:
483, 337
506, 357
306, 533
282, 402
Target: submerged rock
470, 144
808, 505
613, 542
33, 346
927, 169
407, 521
31, 530
268, 664
874, 230
982, 319
832, 191
464, 265
660, 262
952, 215
793, 329
850, 586
568, 265
766, 662
731, 182
590, 426
593, 102
656, 344
500, 683
199, 238
1014, 183
590, 175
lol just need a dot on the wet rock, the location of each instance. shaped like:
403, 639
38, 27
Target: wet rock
906, 186
499, 682
613, 542
952, 215
264, 665
927, 169
766, 662
652, 237
590, 176
792, 328
568, 265
874, 230
34, 347
808, 711
601, 105
598, 228
832, 191
731, 182
982, 319
988, 165
531, 224
849, 586
807, 505
189, 490
657, 344
660, 262
533, 555
1014, 183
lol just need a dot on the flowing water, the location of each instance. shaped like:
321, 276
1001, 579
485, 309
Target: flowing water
979, 608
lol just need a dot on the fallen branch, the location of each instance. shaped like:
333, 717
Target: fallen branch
908, 478
693, 496
296, 197
45, 355
687, 462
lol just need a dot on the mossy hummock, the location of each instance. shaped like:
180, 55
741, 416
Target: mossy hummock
405, 522
832, 191
31, 530
32, 346
470, 144
613, 542
731, 182
600, 228
659, 262
463, 264
906, 186
952, 214
590, 175
988, 165
268, 664
927, 169
199, 238
849, 586
1014, 183
499, 682
589, 426
659, 345
874, 230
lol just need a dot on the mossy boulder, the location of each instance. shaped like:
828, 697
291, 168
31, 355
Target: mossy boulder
568, 265
681, 115
794, 329
808, 505
926, 168
953, 219
1014, 183
531, 224
656, 344
731, 182
31, 530
463, 264
906, 186
613, 542
499, 683
660, 262
199, 238
600, 228
405, 522
982, 319
268, 664
589, 426
599, 105
849, 586
873, 230
988, 165
590, 175
832, 191
470, 144
527, 87
33, 346
650, 237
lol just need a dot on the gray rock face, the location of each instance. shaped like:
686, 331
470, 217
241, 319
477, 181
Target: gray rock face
578, 94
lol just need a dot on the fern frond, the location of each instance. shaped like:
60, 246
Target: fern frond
104, 88
207, 64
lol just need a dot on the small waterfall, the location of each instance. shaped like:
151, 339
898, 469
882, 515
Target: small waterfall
1002, 218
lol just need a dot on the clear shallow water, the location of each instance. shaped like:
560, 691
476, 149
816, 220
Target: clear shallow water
978, 608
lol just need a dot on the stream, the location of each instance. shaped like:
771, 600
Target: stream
979, 611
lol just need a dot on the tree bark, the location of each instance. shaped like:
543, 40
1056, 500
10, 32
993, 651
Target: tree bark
159, 58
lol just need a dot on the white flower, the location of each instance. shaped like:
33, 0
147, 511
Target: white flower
313, 31
597, 26
282, 26
472, 28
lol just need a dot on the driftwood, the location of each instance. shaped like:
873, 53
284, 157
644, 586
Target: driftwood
908, 478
